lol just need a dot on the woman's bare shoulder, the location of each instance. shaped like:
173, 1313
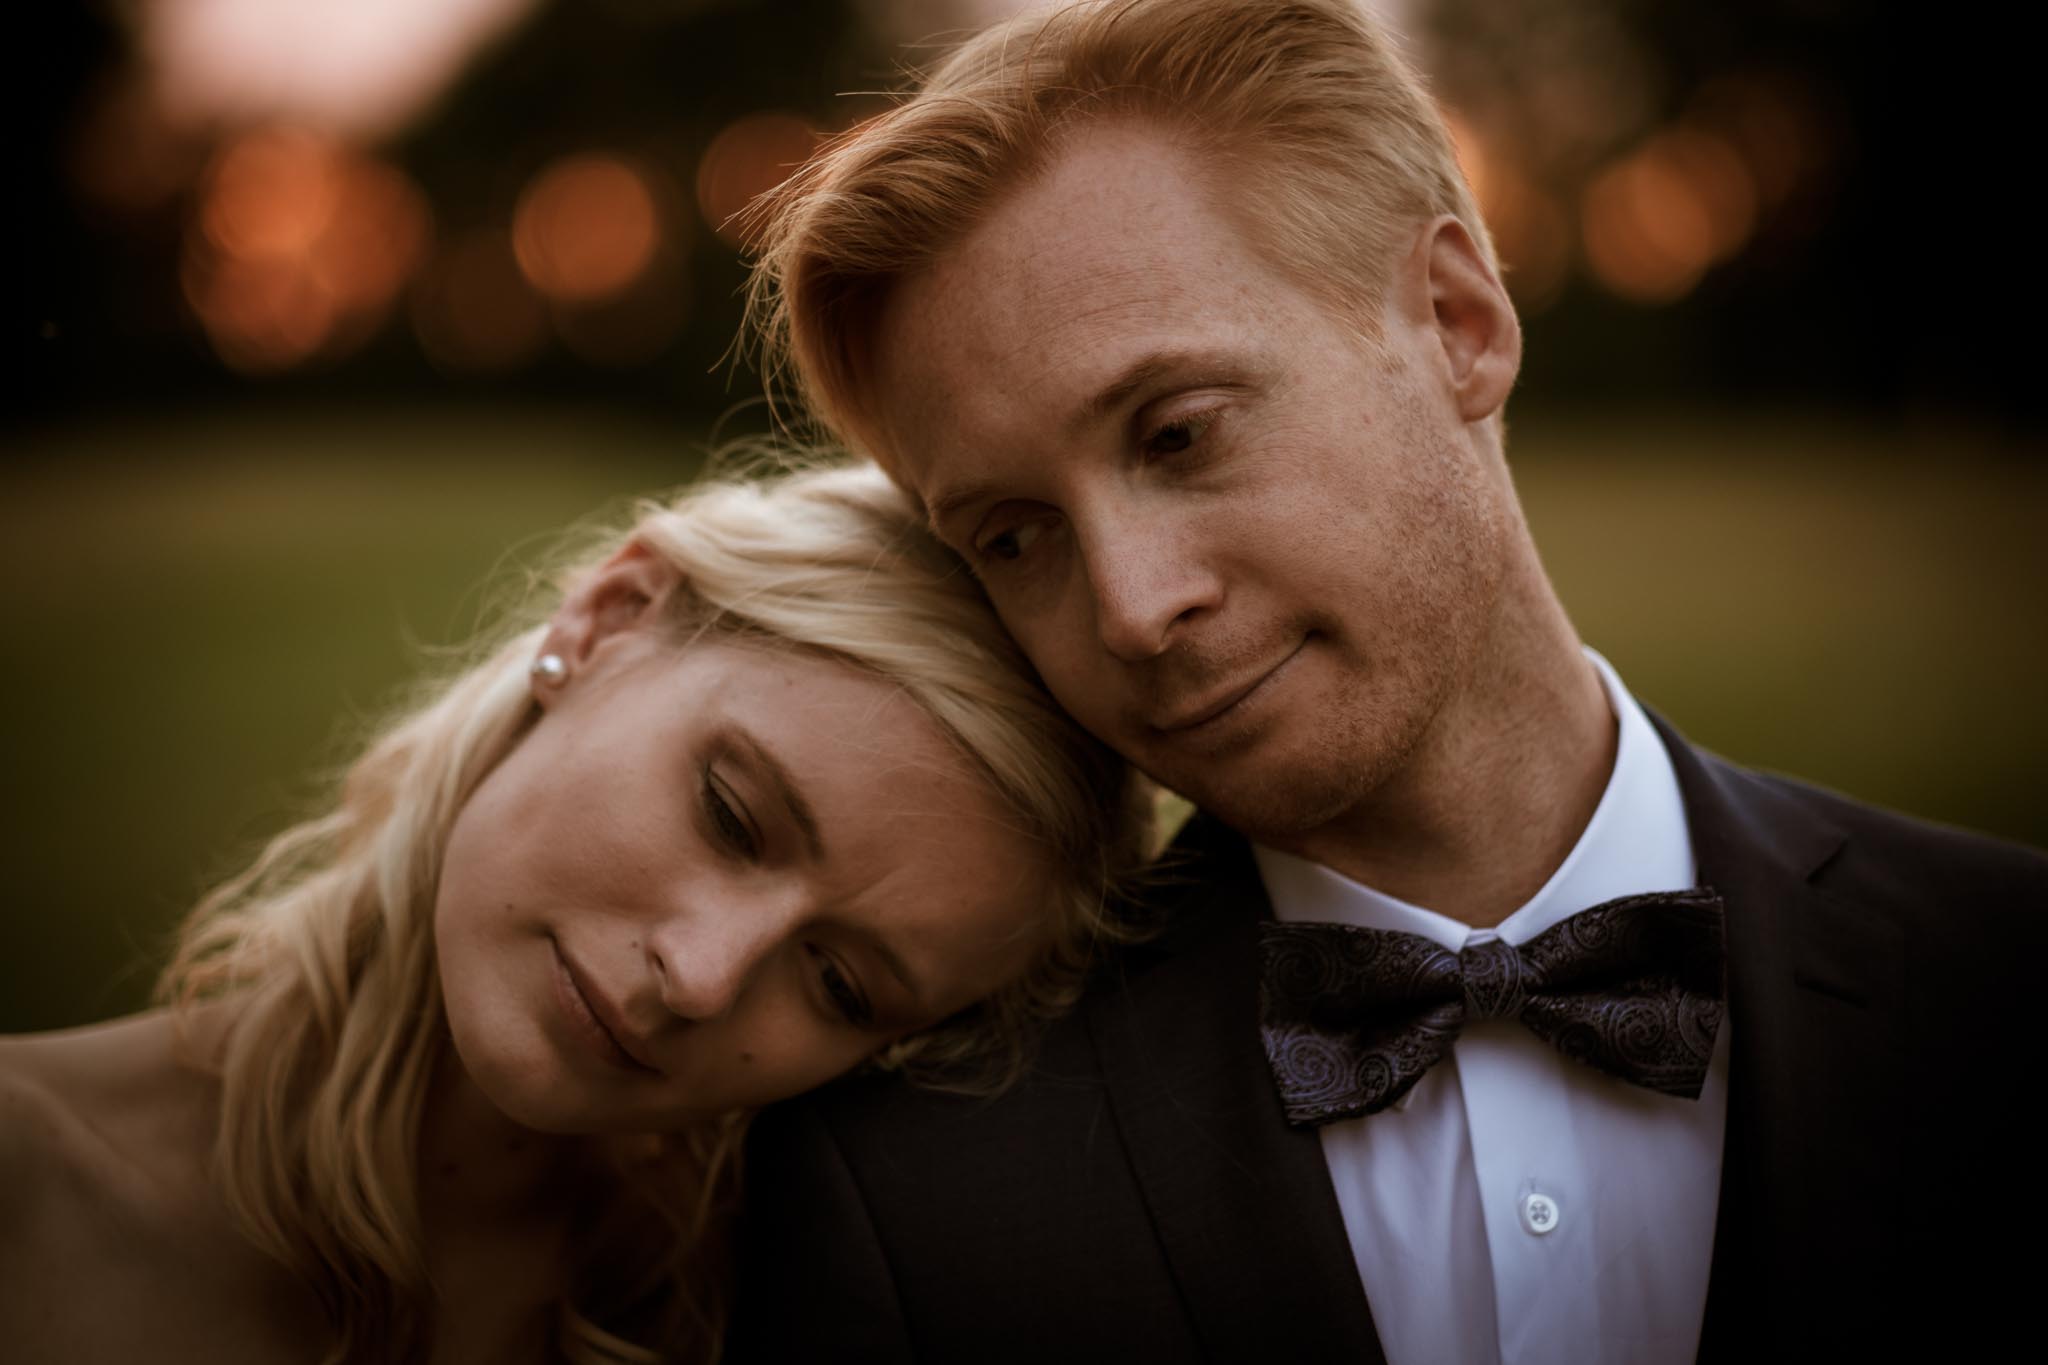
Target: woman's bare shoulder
37, 1127
106, 1143
112, 1108
103, 1144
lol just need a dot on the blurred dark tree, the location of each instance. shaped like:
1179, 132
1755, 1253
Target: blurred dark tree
1896, 280
106, 328
1867, 289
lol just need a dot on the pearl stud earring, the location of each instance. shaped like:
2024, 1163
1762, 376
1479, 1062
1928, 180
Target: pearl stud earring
549, 670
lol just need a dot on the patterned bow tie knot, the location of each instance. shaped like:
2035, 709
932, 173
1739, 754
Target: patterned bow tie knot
1490, 975
1352, 1018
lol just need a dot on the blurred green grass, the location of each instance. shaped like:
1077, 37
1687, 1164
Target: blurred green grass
198, 614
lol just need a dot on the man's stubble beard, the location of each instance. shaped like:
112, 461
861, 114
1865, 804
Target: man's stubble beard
1366, 749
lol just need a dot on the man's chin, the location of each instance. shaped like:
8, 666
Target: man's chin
1275, 808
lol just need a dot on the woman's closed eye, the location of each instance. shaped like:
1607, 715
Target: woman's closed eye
725, 817
844, 993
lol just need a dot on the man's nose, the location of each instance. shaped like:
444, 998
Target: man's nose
1147, 576
703, 962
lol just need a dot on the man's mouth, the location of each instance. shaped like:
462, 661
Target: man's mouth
1221, 702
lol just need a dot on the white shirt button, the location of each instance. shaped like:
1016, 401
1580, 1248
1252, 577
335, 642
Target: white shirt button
1539, 1213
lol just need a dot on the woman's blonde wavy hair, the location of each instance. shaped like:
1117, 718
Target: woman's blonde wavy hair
1305, 109
325, 945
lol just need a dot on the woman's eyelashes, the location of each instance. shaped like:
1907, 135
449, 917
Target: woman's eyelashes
725, 816
843, 992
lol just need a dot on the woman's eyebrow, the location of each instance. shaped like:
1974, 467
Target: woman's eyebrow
777, 775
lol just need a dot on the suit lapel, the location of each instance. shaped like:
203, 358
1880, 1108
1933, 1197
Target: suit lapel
1242, 1203
1814, 994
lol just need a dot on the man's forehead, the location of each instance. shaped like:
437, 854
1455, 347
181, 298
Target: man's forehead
1111, 203
1106, 256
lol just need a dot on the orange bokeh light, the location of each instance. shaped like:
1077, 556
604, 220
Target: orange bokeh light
586, 228
1720, 180
297, 247
748, 158
1632, 216
1655, 220
272, 194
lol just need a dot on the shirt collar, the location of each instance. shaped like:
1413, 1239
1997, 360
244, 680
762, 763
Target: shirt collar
1636, 841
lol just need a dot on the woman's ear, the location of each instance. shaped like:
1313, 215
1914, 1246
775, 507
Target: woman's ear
628, 592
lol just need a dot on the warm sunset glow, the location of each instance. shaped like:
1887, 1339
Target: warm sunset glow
362, 67
586, 228
297, 247
474, 309
747, 159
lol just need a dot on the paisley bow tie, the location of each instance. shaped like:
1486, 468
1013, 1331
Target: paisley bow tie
1352, 1017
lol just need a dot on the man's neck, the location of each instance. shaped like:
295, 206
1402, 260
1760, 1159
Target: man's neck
1497, 793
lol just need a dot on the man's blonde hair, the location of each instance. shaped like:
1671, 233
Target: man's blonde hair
1305, 105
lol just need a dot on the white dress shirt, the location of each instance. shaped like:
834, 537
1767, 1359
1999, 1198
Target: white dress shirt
1516, 1207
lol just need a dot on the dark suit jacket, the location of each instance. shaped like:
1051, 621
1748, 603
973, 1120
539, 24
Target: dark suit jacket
1141, 1198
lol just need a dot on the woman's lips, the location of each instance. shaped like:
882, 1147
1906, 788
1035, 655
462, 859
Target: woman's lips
587, 1012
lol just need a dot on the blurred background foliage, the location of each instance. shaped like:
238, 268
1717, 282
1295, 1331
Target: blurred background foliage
334, 311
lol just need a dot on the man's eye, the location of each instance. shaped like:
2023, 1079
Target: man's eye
844, 995
1175, 437
727, 824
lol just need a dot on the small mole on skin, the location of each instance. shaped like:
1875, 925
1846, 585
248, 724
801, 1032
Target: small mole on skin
746, 1056
447, 1170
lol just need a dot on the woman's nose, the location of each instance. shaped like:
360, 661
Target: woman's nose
703, 964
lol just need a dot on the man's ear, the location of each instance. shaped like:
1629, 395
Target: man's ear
1454, 291
628, 592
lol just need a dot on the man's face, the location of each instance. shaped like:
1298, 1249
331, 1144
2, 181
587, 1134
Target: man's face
1256, 554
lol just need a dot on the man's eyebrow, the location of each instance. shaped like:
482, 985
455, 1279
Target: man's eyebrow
1134, 376
1145, 370
785, 788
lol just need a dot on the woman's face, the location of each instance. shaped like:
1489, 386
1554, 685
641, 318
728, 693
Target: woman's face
716, 875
